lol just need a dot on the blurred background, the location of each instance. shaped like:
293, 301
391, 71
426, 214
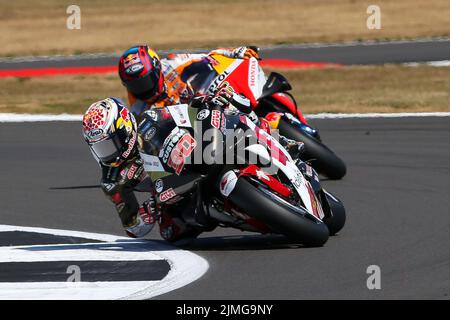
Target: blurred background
365, 78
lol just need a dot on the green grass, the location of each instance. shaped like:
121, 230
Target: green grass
31, 27
346, 89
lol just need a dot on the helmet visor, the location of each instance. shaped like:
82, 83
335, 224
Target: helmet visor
107, 150
143, 88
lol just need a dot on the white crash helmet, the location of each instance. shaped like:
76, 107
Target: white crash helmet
110, 131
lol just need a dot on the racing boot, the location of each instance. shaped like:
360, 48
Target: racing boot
174, 229
144, 221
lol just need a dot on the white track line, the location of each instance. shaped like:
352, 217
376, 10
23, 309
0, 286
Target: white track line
438, 63
24, 117
17, 118
376, 115
185, 267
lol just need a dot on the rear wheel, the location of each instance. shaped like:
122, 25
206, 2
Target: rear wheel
279, 215
322, 159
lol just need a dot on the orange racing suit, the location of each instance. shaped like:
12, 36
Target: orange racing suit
177, 69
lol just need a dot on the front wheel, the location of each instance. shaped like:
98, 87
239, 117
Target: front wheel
324, 160
278, 214
338, 217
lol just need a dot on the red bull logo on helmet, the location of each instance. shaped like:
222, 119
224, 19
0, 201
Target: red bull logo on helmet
131, 59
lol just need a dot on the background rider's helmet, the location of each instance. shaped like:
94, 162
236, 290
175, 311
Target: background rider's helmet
111, 131
141, 72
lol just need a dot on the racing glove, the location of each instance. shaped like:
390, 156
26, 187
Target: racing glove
221, 98
246, 52
217, 100
187, 94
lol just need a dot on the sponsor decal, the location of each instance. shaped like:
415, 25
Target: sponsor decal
132, 171
95, 134
215, 119
182, 150
130, 146
253, 68
151, 163
223, 125
135, 68
108, 186
131, 59
144, 125
170, 143
203, 114
124, 114
212, 88
180, 115
150, 134
159, 185
166, 195
297, 181
227, 183
314, 203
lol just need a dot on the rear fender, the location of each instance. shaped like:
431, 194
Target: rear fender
286, 101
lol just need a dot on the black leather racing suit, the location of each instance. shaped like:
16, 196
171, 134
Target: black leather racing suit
118, 184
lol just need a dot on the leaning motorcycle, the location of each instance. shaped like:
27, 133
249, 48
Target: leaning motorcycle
217, 168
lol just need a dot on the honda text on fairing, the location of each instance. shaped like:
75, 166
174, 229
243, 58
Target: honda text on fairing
208, 176
270, 99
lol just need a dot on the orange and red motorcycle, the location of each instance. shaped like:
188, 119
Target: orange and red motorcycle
270, 98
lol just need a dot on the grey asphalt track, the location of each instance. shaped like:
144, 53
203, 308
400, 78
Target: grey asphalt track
350, 53
396, 193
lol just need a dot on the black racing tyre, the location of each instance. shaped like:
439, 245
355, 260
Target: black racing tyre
277, 214
325, 161
337, 221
